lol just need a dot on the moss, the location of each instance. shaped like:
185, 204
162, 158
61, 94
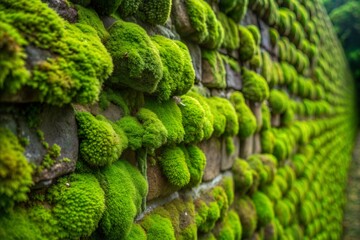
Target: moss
89, 16
173, 165
246, 119
274, 36
155, 11
15, 171
282, 212
288, 117
217, 68
257, 165
278, 101
221, 106
254, 86
100, 144
125, 188
158, 227
243, 177
78, 204
231, 38
266, 117
196, 161
136, 59
247, 44
229, 145
255, 33
264, 208
136, 233
247, 213
280, 149
155, 133
272, 191
133, 130
129, 7
178, 72
267, 141
208, 30
238, 12
106, 8
230, 227
193, 119
170, 115
228, 186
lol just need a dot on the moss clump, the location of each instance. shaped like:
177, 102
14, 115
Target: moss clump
264, 208
178, 72
78, 204
100, 143
173, 165
254, 86
158, 227
136, 233
193, 119
124, 188
155, 11
230, 227
15, 171
247, 44
245, 208
267, 141
196, 161
208, 31
231, 38
136, 59
282, 212
155, 133
90, 17
255, 33
170, 115
246, 119
133, 130
279, 101
214, 61
229, 187
237, 12
274, 36
243, 176
106, 8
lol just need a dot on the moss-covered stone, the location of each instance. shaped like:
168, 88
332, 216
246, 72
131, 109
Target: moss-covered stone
136, 233
106, 8
230, 227
133, 130
157, 227
90, 17
247, 44
254, 86
247, 213
196, 161
278, 101
215, 77
231, 38
155, 11
264, 208
243, 177
136, 58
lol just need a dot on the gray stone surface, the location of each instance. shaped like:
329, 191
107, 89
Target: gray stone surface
265, 36
256, 109
195, 53
112, 112
212, 150
227, 160
233, 79
257, 143
181, 18
246, 147
64, 9
275, 120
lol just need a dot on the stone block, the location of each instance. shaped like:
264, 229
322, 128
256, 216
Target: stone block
257, 143
195, 53
212, 150
246, 147
275, 120
233, 78
227, 160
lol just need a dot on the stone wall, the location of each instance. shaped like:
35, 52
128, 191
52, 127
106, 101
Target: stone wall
183, 119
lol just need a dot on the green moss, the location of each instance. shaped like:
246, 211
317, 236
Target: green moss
125, 188
196, 161
178, 72
173, 165
129, 7
267, 141
136, 59
229, 145
282, 212
278, 101
219, 118
255, 162
230, 227
155, 133
100, 144
228, 186
170, 115
208, 30
254, 86
238, 12
15, 171
133, 130
78, 199
158, 227
193, 119
256, 33
214, 60
136, 233
272, 191
155, 11
246, 119
106, 8
231, 38
247, 44
243, 177
288, 117
89, 16
280, 149
247, 213
274, 36
264, 208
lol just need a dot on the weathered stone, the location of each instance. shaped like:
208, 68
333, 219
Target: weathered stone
257, 143
275, 120
108, 21
249, 19
208, 78
246, 147
195, 53
256, 109
112, 112
227, 160
58, 126
212, 150
64, 9
218, 92
265, 36
181, 18
233, 78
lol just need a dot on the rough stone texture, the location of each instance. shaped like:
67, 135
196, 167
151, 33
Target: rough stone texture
58, 126
212, 150
181, 18
257, 143
246, 147
256, 109
112, 112
233, 79
249, 18
195, 53
64, 9
265, 36
228, 160
275, 120
207, 78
